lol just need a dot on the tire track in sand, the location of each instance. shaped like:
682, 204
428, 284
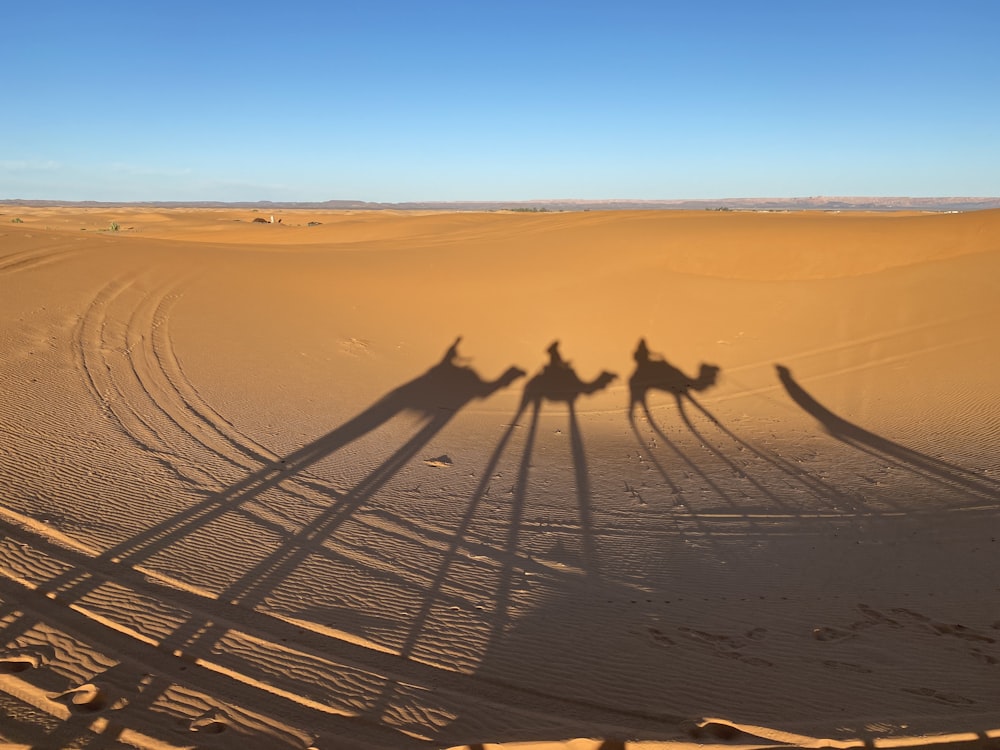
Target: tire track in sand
25, 259
125, 351
122, 370
136, 376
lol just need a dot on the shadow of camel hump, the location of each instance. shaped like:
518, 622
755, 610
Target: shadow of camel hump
869, 442
653, 372
559, 382
449, 385
437, 394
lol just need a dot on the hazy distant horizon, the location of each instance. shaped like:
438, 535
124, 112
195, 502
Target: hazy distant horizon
881, 203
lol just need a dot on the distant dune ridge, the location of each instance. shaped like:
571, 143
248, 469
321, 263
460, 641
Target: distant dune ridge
565, 479
820, 203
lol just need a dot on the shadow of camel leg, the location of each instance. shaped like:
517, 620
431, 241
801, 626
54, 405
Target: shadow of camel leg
459, 536
509, 553
813, 484
450, 556
636, 397
583, 493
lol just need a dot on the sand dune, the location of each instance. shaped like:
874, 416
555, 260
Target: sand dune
585, 480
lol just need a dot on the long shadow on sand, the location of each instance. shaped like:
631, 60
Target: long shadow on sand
933, 469
558, 382
435, 397
654, 373
554, 623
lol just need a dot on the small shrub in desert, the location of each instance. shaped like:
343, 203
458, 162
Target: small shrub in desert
16, 220
114, 226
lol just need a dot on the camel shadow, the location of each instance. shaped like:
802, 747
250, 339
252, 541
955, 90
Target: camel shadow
928, 467
557, 382
653, 372
525, 553
435, 396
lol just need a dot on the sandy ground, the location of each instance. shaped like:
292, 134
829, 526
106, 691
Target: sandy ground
328, 483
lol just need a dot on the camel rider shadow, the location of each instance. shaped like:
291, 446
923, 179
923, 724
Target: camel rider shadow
280, 550
653, 372
435, 396
559, 383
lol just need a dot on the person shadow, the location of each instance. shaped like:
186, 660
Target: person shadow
928, 467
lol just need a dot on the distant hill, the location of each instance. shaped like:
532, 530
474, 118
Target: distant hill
817, 203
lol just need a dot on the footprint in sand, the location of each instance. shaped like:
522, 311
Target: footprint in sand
961, 631
15, 664
659, 637
984, 657
950, 698
729, 646
873, 617
943, 628
715, 731
440, 462
356, 347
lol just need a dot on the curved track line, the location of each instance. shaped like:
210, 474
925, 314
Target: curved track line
136, 376
25, 259
103, 350
175, 376
875, 338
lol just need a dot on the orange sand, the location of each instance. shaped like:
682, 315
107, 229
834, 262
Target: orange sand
253, 494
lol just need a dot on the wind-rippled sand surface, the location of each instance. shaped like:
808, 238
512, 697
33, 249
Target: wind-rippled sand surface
332, 485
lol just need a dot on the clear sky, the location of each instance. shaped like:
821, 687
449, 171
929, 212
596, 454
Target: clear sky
387, 100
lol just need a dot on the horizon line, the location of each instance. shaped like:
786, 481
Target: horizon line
801, 199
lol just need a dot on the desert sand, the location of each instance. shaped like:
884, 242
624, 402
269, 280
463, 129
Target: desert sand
578, 480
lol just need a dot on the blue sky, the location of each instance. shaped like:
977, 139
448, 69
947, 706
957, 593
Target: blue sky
394, 101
